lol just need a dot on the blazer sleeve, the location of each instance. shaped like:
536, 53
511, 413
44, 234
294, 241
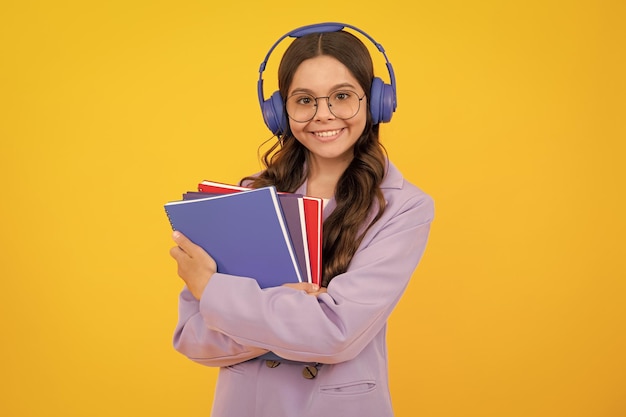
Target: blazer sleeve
198, 342
236, 319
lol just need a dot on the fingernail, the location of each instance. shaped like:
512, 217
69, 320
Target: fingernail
315, 287
176, 234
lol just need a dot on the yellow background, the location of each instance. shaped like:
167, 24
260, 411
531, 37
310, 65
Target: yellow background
511, 115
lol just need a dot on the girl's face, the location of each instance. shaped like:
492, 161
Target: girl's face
327, 137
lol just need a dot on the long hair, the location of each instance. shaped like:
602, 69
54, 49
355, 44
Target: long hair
357, 194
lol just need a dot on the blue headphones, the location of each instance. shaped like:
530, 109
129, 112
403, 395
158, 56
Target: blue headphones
382, 97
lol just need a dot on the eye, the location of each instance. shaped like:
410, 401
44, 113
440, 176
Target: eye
305, 100
342, 95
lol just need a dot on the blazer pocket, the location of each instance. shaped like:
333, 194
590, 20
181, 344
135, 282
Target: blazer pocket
349, 388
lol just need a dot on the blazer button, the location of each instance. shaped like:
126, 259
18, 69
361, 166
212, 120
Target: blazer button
309, 372
272, 364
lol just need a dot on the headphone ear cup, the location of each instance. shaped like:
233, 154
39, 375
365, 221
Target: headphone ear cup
273, 113
389, 103
382, 101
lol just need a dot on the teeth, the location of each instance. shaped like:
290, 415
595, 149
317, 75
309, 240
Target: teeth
327, 133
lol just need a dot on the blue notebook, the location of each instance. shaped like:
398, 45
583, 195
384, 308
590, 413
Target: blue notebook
294, 221
244, 232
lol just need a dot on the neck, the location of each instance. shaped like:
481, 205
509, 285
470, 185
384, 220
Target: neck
323, 176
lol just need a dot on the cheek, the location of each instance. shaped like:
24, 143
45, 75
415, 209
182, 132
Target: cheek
297, 135
297, 130
359, 123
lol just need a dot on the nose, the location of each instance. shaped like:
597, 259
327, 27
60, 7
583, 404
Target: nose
323, 109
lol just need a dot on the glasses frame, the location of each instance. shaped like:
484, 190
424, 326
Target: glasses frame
330, 109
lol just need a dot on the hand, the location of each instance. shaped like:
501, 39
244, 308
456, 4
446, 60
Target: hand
310, 289
195, 266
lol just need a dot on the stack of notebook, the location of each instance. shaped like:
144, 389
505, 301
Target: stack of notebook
260, 233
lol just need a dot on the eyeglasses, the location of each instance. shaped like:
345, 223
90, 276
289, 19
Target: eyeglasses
343, 104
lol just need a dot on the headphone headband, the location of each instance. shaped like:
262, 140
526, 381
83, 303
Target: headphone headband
383, 99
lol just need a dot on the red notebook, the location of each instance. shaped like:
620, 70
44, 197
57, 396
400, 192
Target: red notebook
311, 209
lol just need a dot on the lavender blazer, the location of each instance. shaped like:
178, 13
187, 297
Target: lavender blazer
235, 322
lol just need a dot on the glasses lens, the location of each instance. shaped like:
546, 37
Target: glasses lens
301, 107
343, 104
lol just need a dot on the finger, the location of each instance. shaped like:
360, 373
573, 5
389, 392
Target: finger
303, 286
177, 253
292, 285
184, 243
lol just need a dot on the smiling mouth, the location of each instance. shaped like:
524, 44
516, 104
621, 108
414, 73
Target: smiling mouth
327, 133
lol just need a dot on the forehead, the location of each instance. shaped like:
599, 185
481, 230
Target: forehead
321, 75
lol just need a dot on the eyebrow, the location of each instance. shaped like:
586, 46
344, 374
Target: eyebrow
333, 88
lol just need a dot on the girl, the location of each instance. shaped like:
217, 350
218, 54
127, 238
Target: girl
298, 350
